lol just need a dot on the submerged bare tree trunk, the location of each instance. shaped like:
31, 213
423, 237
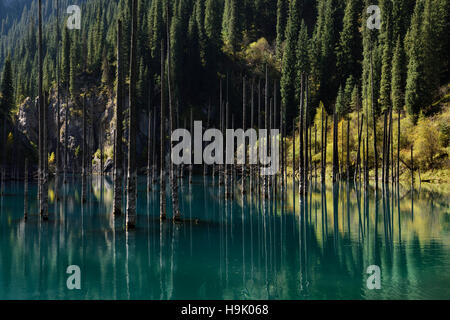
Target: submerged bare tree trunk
388, 146
149, 152
173, 179
358, 154
348, 150
266, 126
383, 164
335, 146
301, 141
84, 156
244, 166
132, 170
305, 135
322, 147
374, 124
43, 204
252, 125
398, 147
192, 130
162, 194
221, 126
226, 174
58, 119
25, 198
293, 153
101, 150
66, 134
118, 162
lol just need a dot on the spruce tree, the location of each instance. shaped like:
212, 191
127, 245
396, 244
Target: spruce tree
302, 56
288, 73
397, 82
386, 63
282, 12
6, 89
350, 45
415, 91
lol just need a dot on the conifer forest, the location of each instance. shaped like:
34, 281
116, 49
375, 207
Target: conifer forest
224, 149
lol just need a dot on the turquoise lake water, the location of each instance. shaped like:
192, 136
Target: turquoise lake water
245, 248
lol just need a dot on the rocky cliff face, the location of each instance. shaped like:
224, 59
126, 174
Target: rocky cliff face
100, 107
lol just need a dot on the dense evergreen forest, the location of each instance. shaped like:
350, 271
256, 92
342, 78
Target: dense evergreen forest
350, 69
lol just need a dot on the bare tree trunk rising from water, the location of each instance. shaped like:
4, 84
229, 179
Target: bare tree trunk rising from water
118, 161
132, 170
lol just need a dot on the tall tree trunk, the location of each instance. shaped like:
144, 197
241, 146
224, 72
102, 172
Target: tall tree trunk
388, 146
226, 173
335, 146
162, 209
101, 150
84, 154
154, 166
42, 128
348, 150
325, 150
374, 124
220, 167
173, 178
149, 151
266, 126
252, 125
66, 134
293, 153
398, 147
244, 166
132, 170
358, 154
301, 143
258, 169
315, 152
305, 135
275, 89
383, 164
282, 146
192, 130
25, 199
58, 120
322, 147
118, 161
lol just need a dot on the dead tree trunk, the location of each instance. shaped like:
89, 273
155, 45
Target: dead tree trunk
173, 178
266, 126
335, 146
305, 136
58, 119
374, 124
118, 161
398, 147
301, 144
358, 154
132, 170
348, 150
42, 128
252, 125
162, 209
84, 156
25, 199
244, 166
